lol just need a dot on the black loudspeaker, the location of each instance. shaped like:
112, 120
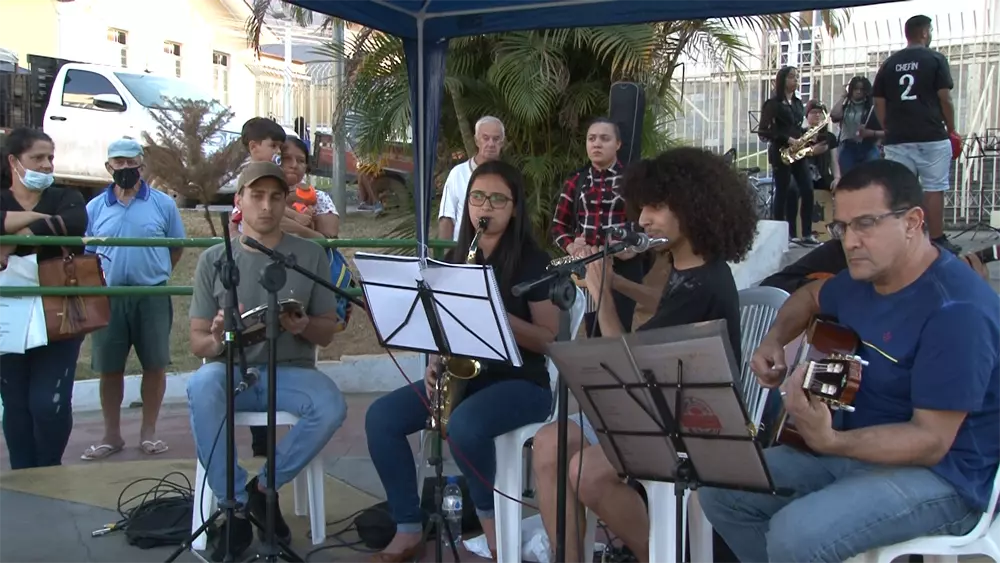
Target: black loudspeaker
627, 106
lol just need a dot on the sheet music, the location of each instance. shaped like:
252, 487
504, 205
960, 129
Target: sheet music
467, 301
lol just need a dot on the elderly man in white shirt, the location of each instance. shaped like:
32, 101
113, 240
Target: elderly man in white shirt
489, 140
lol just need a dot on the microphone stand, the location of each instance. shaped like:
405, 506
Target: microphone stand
229, 275
562, 293
272, 279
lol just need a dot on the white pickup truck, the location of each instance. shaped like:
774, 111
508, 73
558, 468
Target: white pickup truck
84, 107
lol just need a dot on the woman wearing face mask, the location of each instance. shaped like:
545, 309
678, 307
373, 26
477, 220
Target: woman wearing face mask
37, 386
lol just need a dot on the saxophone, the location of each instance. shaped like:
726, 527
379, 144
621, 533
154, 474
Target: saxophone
804, 146
454, 373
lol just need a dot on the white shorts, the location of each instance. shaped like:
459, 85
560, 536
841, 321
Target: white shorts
931, 162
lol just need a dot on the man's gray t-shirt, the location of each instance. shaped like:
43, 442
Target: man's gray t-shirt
210, 296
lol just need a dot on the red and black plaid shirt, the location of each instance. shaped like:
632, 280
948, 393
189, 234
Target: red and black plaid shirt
591, 202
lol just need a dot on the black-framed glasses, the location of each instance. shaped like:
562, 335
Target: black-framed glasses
497, 201
861, 225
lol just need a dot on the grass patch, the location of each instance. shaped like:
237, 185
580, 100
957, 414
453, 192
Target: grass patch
359, 338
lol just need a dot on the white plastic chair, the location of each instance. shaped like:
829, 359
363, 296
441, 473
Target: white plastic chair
309, 494
983, 539
758, 308
510, 463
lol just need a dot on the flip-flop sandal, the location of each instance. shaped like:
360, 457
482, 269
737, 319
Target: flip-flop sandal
102, 451
153, 447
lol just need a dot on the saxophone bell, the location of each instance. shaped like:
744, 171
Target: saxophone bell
804, 146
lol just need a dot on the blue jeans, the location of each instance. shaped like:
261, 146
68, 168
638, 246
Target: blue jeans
475, 422
852, 153
839, 508
37, 392
304, 392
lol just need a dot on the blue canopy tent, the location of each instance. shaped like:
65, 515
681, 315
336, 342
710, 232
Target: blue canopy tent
426, 26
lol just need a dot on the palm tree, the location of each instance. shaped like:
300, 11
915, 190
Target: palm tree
544, 85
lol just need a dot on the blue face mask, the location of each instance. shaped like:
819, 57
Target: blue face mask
34, 180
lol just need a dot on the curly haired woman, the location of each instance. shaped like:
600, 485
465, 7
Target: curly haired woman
698, 202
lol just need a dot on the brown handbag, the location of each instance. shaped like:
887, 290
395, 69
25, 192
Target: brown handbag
71, 316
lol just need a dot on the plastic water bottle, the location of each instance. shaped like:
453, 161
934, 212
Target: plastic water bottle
451, 508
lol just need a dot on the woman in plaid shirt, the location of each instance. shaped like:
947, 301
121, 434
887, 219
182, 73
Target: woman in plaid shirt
589, 205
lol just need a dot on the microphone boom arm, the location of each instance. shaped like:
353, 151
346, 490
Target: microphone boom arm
290, 263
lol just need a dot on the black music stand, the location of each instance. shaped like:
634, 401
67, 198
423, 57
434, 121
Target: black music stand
438, 308
977, 147
633, 387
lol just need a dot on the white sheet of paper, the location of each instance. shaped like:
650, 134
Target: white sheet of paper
467, 300
22, 319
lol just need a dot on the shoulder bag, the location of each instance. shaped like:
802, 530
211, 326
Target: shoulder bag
71, 316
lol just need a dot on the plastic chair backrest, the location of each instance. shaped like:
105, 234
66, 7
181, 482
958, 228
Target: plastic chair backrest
758, 309
575, 320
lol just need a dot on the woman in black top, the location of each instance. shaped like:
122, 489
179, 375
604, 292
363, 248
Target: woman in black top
700, 203
37, 386
501, 398
781, 120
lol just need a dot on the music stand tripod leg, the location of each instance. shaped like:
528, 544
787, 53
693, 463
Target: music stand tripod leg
229, 275
437, 521
562, 293
272, 279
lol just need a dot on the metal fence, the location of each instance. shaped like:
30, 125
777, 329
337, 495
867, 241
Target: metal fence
28, 240
718, 112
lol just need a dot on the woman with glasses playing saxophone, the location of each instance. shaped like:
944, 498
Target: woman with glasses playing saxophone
497, 400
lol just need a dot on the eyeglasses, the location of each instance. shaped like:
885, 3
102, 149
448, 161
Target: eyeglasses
860, 225
497, 201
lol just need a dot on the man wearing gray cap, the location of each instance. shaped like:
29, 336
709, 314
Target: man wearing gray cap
302, 390
130, 208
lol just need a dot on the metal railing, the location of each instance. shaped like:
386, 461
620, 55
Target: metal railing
206, 242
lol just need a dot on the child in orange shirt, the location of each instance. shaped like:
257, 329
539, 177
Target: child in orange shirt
303, 199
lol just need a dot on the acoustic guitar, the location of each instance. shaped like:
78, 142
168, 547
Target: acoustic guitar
833, 373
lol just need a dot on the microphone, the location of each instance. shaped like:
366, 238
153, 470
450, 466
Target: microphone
249, 379
634, 240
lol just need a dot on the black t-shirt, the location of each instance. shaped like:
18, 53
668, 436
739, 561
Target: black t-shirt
909, 81
533, 261
827, 258
823, 163
703, 293
67, 203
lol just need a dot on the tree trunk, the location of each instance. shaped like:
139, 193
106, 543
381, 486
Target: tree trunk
208, 217
462, 114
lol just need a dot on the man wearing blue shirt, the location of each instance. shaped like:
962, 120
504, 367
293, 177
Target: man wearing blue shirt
130, 208
919, 454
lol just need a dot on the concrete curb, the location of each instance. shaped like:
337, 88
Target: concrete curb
377, 373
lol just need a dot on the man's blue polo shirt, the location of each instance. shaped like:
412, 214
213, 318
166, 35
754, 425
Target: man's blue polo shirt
150, 214
933, 345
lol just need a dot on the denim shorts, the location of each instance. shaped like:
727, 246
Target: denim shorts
580, 420
931, 162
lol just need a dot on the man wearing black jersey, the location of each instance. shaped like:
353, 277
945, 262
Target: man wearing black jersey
913, 102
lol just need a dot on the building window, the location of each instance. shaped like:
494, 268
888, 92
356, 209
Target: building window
173, 53
119, 45
220, 76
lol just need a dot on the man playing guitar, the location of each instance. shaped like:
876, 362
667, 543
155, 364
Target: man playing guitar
919, 453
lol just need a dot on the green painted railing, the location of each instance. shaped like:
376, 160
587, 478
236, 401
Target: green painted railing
28, 240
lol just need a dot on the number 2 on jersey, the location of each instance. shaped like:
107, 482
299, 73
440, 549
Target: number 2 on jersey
906, 81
